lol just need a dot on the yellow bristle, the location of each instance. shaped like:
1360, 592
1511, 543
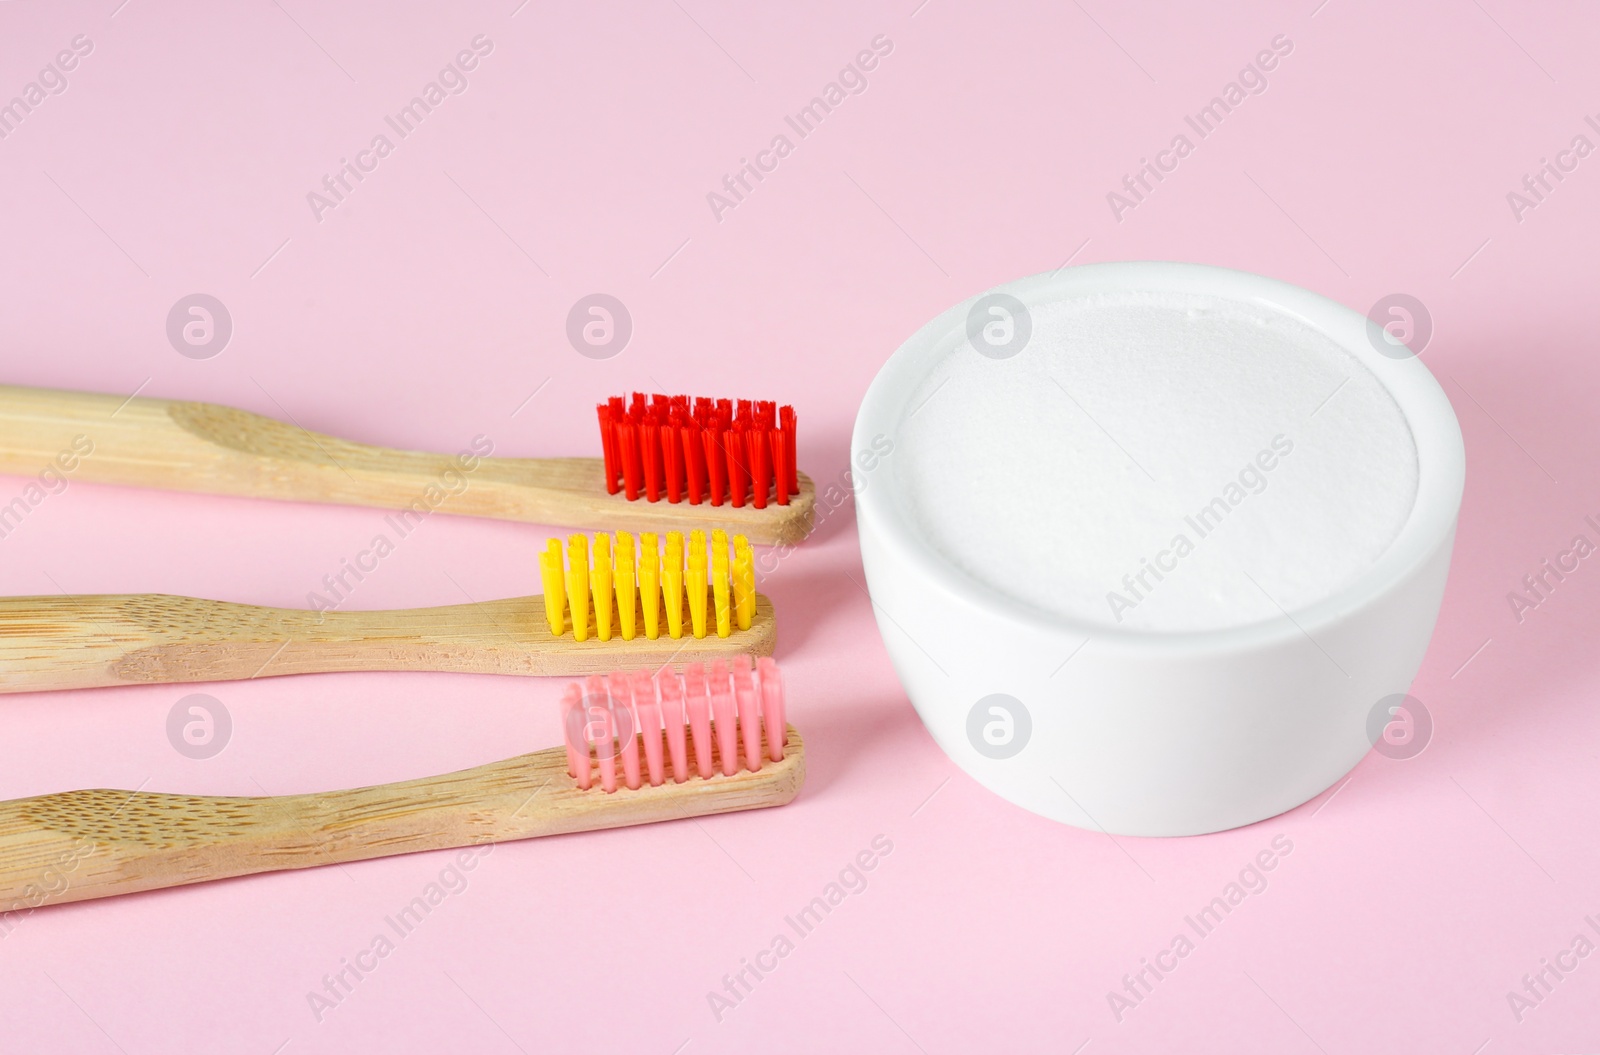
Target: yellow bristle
694, 582
719, 585
622, 570
555, 598
578, 585
650, 585
600, 586
744, 582
672, 583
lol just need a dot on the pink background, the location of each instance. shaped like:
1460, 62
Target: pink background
430, 303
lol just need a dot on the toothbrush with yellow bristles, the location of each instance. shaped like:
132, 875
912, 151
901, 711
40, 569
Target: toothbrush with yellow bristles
614, 601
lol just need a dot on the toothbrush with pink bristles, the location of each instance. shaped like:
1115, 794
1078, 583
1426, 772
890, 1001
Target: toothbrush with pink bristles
713, 741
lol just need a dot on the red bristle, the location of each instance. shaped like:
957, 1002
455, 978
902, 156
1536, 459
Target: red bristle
758, 452
678, 420
672, 462
659, 444
780, 466
618, 408
608, 448
628, 440
787, 423
650, 454
694, 462
738, 474
716, 464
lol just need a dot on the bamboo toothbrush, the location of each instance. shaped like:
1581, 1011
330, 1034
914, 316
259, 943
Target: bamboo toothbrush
716, 463
625, 605
77, 845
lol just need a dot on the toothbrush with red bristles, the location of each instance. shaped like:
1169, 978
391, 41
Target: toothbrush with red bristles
640, 748
668, 463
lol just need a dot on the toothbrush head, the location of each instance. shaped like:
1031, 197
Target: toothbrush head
707, 450
626, 587
638, 729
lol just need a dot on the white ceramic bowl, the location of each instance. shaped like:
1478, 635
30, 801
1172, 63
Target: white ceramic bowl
1155, 733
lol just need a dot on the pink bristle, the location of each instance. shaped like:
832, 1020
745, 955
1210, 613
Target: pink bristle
698, 708
725, 716
772, 706
616, 714
575, 724
627, 739
649, 712
605, 743
749, 704
673, 718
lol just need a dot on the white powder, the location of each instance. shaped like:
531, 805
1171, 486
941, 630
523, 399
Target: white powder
1159, 462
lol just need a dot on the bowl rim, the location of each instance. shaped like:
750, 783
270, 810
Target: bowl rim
1436, 434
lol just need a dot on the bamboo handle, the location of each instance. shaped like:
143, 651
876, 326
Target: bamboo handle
77, 642
77, 845
214, 449
205, 447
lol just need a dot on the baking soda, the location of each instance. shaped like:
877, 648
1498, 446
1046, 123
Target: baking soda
1159, 462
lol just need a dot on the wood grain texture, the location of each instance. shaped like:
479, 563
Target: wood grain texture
77, 845
219, 450
79, 642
